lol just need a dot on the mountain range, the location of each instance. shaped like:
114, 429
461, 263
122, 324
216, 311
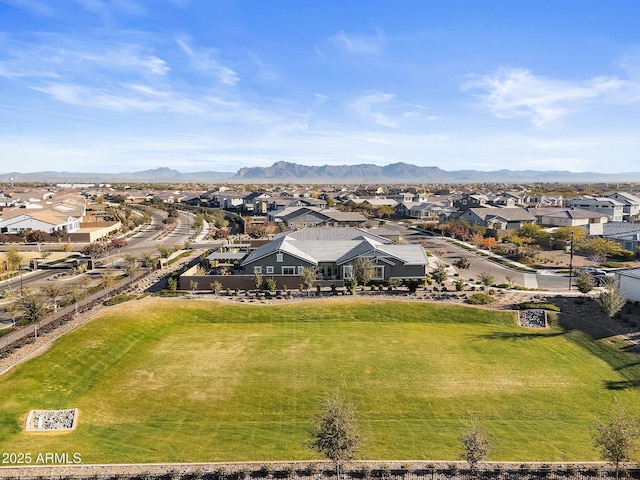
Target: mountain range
286, 172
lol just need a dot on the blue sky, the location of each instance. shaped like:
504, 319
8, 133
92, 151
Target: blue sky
119, 86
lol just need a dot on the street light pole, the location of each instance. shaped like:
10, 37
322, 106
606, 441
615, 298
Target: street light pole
570, 260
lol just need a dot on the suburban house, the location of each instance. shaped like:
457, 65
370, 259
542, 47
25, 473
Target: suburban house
497, 218
626, 234
629, 283
609, 206
267, 203
631, 205
468, 201
429, 211
298, 217
6, 201
566, 217
19, 220
332, 252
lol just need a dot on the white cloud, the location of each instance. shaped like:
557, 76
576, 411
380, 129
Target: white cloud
204, 60
53, 58
357, 43
124, 98
383, 109
511, 93
364, 107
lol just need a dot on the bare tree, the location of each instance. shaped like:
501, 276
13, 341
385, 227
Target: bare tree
611, 299
617, 437
335, 434
475, 444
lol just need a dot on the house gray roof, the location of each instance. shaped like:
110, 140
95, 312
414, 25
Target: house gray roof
333, 234
626, 197
630, 272
337, 244
281, 244
512, 214
559, 212
620, 228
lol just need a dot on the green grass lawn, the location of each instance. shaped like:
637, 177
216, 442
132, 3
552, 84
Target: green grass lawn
170, 380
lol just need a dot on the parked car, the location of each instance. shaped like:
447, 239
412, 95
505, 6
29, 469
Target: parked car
591, 271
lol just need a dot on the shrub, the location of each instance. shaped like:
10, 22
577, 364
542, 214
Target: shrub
5, 331
540, 305
633, 323
270, 284
412, 285
118, 299
614, 265
480, 299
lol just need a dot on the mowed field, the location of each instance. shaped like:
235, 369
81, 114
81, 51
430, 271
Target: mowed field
162, 380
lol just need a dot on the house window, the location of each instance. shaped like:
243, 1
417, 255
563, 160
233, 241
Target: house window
300, 269
279, 257
269, 269
288, 270
257, 269
378, 272
347, 271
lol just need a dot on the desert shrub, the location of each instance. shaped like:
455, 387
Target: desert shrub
611, 264
5, 331
540, 305
119, 299
270, 284
412, 285
480, 299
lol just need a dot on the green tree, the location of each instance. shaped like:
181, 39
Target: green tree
486, 278
585, 282
475, 444
616, 437
257, 280
33, 306
164, 252
599, 246
335, 433
363, 270
462, 263
439, 273
216, 287
52, 290
172, 284
308, 277
13, 258
611, 299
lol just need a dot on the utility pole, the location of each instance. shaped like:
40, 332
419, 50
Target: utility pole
570, 260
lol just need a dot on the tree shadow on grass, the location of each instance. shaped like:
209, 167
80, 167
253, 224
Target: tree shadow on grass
518, 335
628, 365
621, 384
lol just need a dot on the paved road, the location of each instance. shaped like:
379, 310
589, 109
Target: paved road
542, 281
